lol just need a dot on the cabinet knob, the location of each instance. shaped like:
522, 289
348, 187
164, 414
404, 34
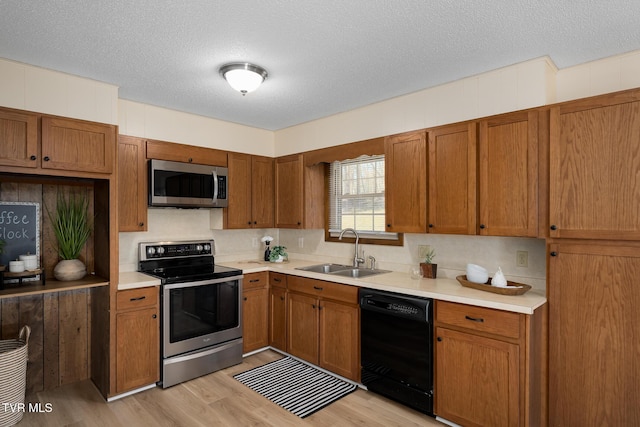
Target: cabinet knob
155, 316
482, 226
553, 253
389, 225
46, 158
439, 339
299, 223
255, 222
554, 227
190, 160
141, 224
314, 306
317, 288
33, 157
281, 298
430, 225
248, 222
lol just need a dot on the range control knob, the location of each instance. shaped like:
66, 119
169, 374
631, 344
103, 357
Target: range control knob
199, 248
207, 247
151, 250
160, 250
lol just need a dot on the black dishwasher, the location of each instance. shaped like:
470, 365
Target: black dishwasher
397, 347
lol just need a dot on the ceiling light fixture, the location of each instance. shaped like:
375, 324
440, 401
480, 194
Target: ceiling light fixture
243, 77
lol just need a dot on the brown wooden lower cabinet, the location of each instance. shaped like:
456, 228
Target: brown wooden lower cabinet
137, 338
278, 311
323, 325
488, 366
255, 313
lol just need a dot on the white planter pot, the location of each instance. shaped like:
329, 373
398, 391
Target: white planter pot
69, 269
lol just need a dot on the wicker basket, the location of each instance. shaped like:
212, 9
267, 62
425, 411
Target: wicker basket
13, 371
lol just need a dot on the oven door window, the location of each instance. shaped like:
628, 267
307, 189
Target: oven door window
202, 310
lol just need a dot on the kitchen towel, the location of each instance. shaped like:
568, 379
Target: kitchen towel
297, 387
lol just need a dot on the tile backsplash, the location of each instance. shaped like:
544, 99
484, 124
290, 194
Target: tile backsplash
453, 252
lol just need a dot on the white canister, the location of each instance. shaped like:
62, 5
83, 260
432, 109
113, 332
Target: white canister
16, 266
30, 262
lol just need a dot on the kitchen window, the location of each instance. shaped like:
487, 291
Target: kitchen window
357, 199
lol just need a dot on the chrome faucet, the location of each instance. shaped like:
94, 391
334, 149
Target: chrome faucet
356, 259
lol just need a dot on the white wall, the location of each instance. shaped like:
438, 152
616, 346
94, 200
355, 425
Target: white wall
36, 89
147, 121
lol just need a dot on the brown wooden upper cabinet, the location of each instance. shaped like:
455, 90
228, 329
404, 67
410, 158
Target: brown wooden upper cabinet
509, 175
406, 182
452, 178
132, 184
69, 144
299, 193
251, 184
163, 150
594, 159
18, 138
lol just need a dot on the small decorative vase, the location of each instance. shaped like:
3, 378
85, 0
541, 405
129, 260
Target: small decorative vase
69, 269
429, 270
267, 253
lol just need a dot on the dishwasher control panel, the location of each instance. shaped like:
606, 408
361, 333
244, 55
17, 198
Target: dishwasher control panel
395, 304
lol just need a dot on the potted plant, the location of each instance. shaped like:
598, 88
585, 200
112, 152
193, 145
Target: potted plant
429, 269
278, 254
72, 229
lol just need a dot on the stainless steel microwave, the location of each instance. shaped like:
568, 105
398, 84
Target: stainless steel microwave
187, 185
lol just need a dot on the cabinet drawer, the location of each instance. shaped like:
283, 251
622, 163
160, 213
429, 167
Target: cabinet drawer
326, 290
278, 280
136, 298
480, 319
255, 280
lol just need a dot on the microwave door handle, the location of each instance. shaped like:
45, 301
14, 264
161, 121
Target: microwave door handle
215, 185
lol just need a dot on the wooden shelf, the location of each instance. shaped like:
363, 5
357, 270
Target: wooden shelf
34, 288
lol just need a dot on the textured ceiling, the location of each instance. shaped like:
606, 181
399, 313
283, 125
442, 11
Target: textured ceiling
323, 56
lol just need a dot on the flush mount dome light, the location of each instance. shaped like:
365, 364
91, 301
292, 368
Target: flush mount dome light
243, 77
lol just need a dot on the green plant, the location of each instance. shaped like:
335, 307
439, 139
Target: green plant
428, 257
278, 251
71, 225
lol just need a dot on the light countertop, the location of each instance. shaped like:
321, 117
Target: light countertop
441, 289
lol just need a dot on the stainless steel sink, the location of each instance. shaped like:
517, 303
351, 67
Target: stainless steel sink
359, 272
342, 270
325, 268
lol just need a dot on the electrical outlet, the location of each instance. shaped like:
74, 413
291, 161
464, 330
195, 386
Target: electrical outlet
301, 242
522, 259
423, 250
254, 242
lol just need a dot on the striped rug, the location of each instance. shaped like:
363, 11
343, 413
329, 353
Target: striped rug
297, 387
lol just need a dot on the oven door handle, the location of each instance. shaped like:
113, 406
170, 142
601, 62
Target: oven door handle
202, 282
200, 354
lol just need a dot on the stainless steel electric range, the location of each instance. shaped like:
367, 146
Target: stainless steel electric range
201, 310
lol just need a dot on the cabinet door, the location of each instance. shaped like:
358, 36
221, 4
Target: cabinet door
452, 179
302, 330
406, 183
262, 192
593, 186
278, 318
132, 184
339, 339
239, 209
255, 319
77, 145
594, 330
477, 380
509, 175
137, 349
163, 150
289, 191
18, 139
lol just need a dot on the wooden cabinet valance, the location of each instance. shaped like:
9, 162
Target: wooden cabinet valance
162, 150
353, 150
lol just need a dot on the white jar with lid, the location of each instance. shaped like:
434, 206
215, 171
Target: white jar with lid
16, 266
30, 262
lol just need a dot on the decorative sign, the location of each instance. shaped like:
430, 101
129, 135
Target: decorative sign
20, 229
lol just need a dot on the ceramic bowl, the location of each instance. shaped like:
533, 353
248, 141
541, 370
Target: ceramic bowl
477, 274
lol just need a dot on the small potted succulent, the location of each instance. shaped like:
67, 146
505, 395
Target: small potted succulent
278, 254
429, 269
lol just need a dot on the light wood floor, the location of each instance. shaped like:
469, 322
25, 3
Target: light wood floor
212, 400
